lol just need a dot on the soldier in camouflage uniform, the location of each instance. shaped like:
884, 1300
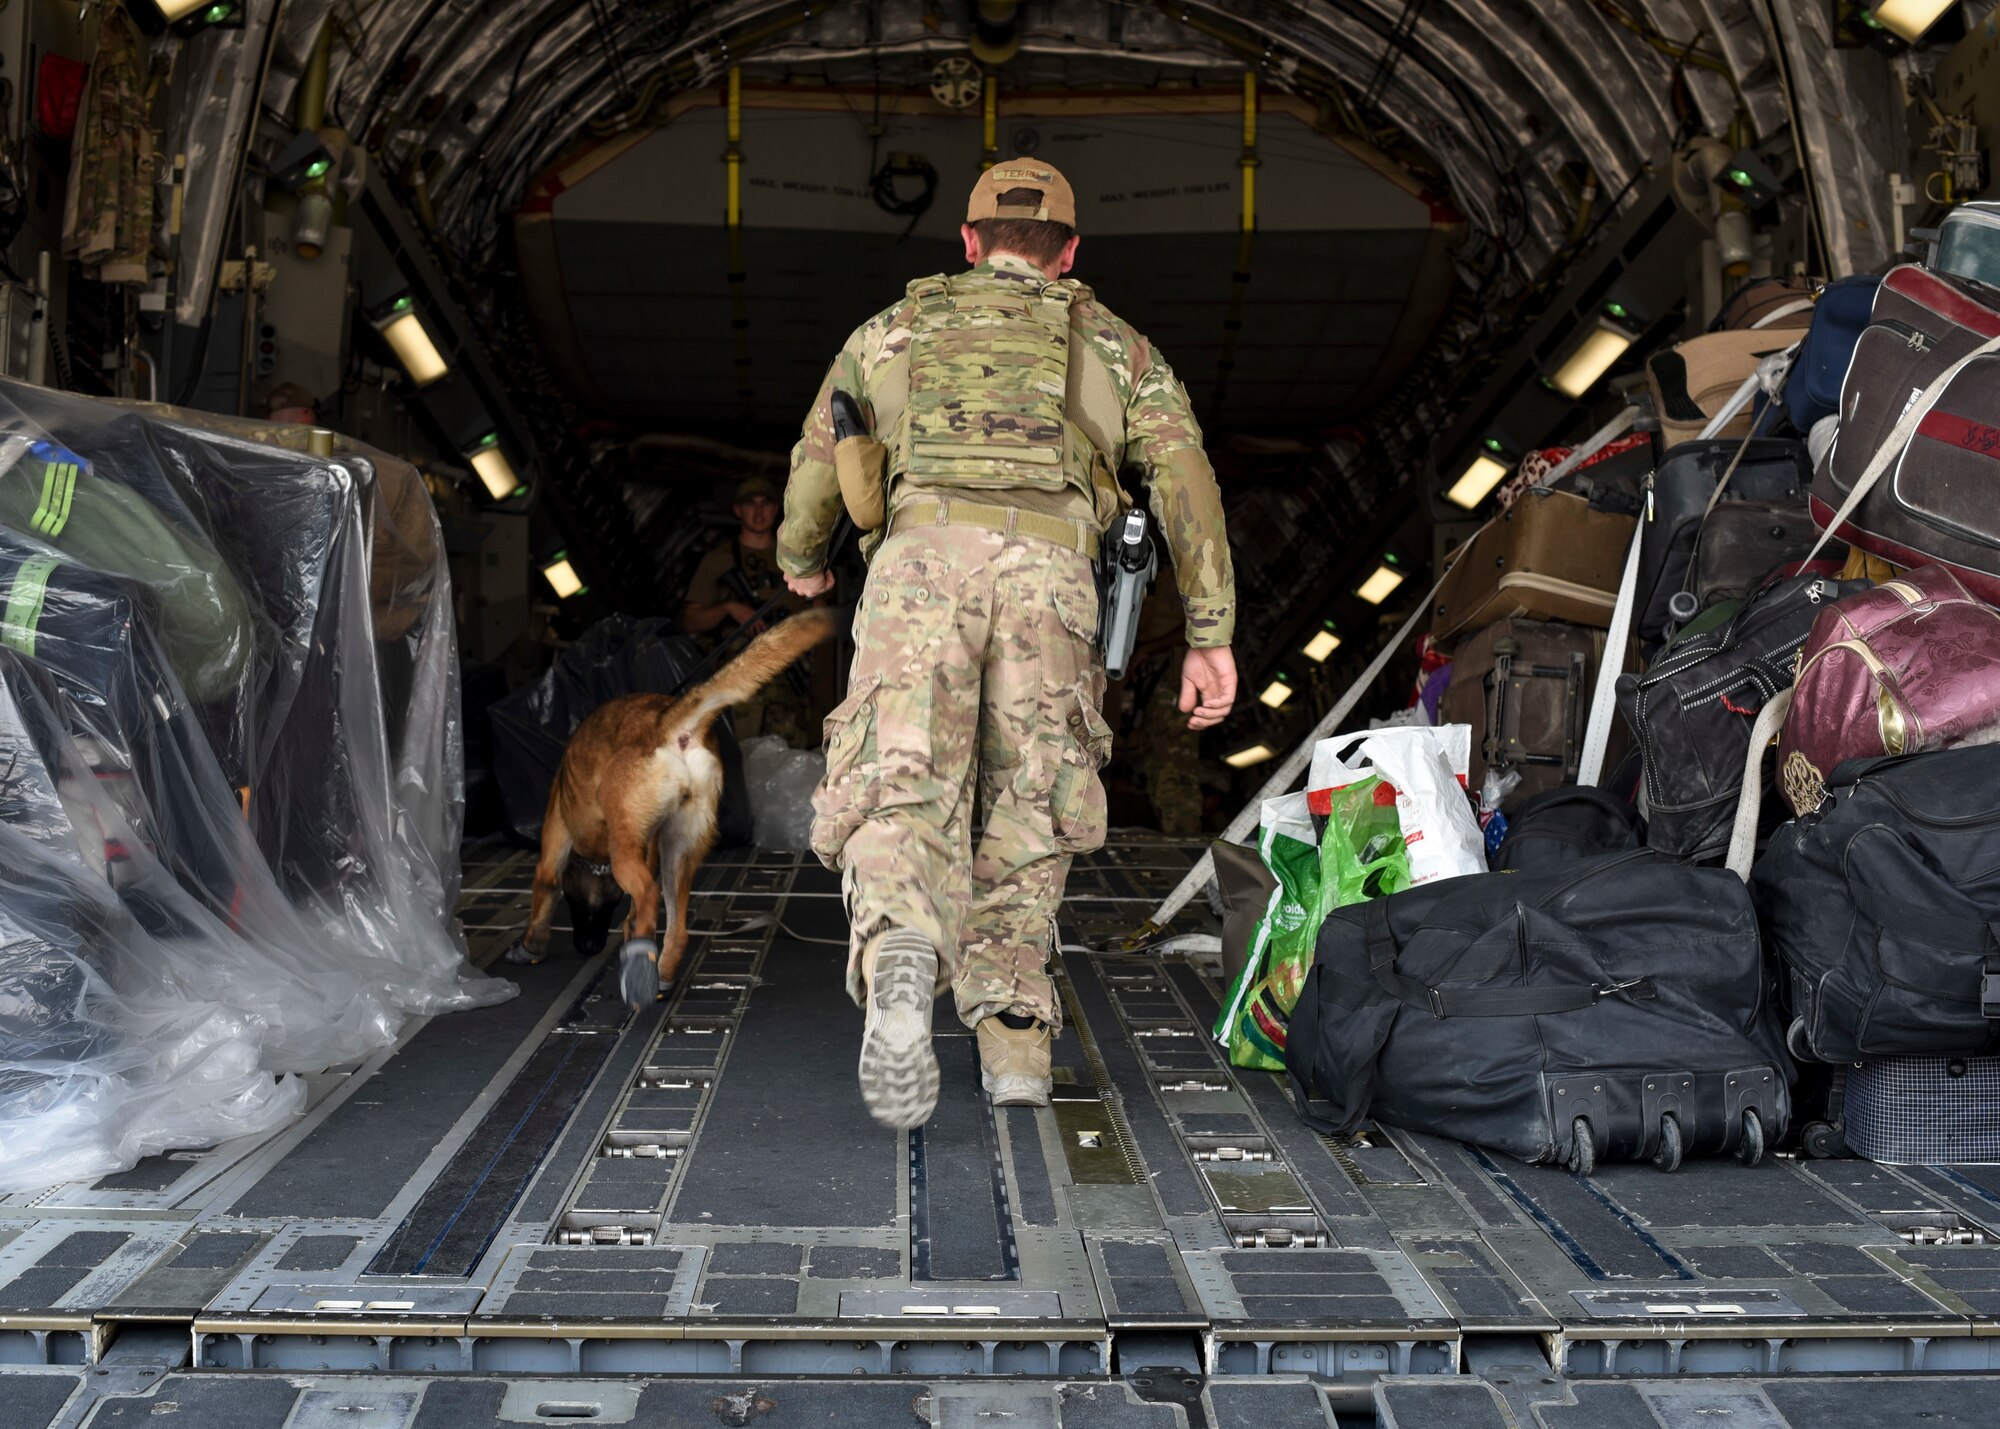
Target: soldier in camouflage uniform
1005, 398
730, 585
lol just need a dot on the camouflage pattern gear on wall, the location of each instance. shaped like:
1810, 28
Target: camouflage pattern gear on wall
1121, 402
976, 660
108, 211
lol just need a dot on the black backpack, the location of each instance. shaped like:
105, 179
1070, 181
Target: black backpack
1568, 823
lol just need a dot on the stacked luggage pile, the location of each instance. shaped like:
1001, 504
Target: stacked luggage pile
1761, 901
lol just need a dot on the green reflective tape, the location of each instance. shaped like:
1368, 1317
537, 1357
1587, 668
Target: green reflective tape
58, 491
24, 604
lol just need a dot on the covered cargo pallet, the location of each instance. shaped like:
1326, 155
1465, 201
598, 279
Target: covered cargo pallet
230, 779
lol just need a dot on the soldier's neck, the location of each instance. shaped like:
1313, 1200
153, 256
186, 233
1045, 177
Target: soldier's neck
756, 540
1019, 260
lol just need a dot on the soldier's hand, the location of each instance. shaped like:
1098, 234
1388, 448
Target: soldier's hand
1208, 686
816, 584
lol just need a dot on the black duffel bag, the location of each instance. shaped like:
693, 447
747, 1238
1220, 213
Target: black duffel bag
1884, 906
1610, 1009
1692, 711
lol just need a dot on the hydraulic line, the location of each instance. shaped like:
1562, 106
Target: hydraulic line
1240, 279
990, 152
739, 318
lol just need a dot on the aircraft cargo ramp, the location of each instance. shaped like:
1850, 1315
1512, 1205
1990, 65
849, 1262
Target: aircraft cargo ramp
551, 1211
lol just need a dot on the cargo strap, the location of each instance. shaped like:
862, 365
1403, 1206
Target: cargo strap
1750, 803
1077, 536
1899, 438
1443, 1002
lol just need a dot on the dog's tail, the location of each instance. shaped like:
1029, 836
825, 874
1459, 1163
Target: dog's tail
762, 661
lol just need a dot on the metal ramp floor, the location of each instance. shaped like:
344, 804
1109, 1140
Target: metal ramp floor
538, 1198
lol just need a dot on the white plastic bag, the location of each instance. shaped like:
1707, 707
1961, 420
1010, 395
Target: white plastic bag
781, 780
1339, 760
1439, 829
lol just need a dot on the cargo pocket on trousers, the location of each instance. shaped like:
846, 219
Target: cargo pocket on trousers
843, 798
1076, 801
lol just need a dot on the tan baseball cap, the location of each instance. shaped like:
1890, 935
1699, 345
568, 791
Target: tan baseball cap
1058, 203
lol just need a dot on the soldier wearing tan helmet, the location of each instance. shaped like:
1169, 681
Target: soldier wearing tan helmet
1004, 399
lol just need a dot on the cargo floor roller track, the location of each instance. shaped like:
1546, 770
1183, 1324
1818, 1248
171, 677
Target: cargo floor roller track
516, 1206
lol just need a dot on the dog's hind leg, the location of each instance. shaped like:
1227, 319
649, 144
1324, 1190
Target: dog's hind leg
633, 867
534, 942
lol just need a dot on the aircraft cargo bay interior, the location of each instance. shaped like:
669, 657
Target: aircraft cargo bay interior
999, 712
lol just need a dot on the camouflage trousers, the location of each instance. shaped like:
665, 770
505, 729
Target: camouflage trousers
975, 673
1169, 755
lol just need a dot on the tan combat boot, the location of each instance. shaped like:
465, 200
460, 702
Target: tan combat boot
899, 1071
1014, 1065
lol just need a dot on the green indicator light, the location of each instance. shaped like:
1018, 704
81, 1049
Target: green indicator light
218, 13
517, 491
317, 168
491, 439
1493, 444
1741, 178
1617, 310
402, 305
1392, 559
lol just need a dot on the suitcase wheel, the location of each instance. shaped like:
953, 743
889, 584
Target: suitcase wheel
1823, 1140
1750, 1148
1796, 1043
1668, 1157
1582, 1150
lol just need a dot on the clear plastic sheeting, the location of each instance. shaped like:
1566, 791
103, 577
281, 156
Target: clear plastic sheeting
230, 771
781, 781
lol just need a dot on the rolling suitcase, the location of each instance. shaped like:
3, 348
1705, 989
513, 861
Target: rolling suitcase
1931, 497
1549, 556
1524, 687
1743, 542
1612, 1009
1882, 907
1924, 1111
1769, 470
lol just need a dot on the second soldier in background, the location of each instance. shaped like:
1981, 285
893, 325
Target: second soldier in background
1006, 398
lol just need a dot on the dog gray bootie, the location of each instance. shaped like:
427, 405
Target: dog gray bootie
639, 973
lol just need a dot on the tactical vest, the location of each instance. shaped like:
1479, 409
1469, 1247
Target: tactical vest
989, 375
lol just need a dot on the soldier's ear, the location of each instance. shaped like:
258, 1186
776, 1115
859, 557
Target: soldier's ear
1067, 259
972, 245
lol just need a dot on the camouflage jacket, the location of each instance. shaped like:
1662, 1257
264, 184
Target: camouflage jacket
1121, 393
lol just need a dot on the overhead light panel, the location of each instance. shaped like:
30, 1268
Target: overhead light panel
1246, 758
495, 472
1478, 481
1593, 357
1276, 693
1321, 646
406, 335
1380, 586
1908, 19
185, 16
303, 161
562, 576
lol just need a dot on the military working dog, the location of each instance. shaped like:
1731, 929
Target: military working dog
634, 805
